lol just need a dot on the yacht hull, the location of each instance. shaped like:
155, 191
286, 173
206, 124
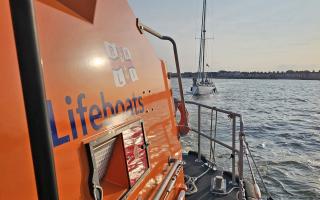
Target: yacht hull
203, 90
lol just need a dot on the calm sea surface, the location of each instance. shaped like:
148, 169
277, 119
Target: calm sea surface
282, 126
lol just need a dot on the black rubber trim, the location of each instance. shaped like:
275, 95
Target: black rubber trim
22, 12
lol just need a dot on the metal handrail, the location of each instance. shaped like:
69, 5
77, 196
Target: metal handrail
213, 108
166, 180
243, 145
232, 116
142, 27
214, 140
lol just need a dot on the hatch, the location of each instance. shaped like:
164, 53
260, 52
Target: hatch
117, 160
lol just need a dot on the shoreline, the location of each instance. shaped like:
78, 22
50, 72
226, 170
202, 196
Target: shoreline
289, 75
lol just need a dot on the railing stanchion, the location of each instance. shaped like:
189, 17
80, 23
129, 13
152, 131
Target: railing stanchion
233, 149
215, 134
211, 150
240, 167
199, 129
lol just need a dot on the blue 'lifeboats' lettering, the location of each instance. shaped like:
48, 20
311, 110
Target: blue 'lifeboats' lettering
93, 117
81, 110
71, 119
95, 112
55, 138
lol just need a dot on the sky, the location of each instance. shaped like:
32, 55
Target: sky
243, 35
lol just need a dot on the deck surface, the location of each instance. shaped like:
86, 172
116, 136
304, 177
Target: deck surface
193, 169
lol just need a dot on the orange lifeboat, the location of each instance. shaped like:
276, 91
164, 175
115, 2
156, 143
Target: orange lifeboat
87, 112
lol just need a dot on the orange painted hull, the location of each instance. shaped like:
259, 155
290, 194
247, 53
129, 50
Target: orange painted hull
93, 57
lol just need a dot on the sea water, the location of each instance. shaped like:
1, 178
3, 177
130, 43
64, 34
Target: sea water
282, 126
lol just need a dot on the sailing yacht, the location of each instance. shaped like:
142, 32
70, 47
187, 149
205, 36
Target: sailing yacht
202, 85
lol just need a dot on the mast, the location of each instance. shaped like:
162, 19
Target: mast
202, 42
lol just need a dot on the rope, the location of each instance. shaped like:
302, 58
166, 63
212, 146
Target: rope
255, 165
191, 182
250, 167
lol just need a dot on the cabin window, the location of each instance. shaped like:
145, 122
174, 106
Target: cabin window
118, 159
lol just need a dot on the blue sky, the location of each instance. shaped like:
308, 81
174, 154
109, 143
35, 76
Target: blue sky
249, 35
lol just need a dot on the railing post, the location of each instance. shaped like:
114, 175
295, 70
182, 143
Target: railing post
211, 150
240, 167
233, 149
199, 130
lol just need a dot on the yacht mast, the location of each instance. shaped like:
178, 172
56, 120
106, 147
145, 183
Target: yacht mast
202, 42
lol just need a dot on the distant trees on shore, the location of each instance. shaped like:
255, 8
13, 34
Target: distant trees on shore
290, 74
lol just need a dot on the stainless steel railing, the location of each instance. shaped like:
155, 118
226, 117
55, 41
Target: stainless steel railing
200, 135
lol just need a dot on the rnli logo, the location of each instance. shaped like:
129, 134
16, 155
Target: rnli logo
123, 69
